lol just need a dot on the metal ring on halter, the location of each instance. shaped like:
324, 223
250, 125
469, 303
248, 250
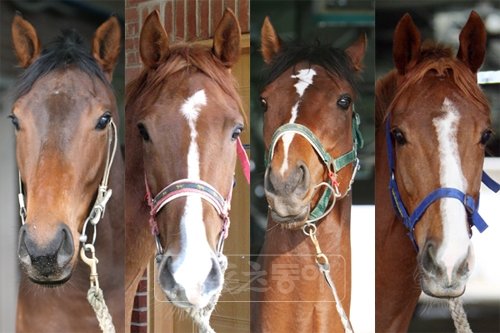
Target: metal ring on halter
336, 194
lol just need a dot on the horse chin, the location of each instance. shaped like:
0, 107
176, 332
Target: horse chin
291, 222
440, 289
51, 282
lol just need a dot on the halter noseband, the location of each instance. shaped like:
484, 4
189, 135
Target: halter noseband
188, 187
410, 221
333, 165
103, 193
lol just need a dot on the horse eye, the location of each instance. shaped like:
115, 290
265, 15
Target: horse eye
263, 103
398, 136
344, 102
143, 131
486, 136
103, 121
236, 133
14, 121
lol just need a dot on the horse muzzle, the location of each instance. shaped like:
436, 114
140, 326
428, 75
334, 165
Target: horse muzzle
195, 291
439, 279
48, 264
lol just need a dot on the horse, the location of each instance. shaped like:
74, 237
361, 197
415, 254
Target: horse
63, 113
183, 120
432, 124
311, 135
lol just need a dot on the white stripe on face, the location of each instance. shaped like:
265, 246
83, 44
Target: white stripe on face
193, 264
456, 241
304, 80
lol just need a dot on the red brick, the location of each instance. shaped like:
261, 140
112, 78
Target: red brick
139, 316
243, 15
143, 285
138, 329
216, 15
169, 19
179, 19
132, 29
131, 15
131, 58
140, 301
204, 19
132, 43
191, 20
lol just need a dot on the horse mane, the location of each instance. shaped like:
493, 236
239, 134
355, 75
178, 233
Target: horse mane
144, 89
65, 51
335, 61
434, 58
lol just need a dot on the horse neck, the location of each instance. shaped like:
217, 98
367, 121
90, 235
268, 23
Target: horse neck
138, 239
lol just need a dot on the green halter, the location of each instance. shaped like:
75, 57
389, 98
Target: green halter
333, 165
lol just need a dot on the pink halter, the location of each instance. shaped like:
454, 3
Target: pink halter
186, 187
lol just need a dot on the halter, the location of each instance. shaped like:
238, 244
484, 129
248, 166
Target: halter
188, 187
103, 193
410, 221
333, 165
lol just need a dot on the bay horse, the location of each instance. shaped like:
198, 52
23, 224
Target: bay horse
184, 117
432, 124
311, 134
63, 114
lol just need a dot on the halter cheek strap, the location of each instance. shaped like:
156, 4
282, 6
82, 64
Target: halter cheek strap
333, 165
410, 221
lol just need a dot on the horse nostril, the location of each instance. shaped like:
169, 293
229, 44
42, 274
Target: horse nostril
66, 249
304, 175
214, 277
22, 250
429, 259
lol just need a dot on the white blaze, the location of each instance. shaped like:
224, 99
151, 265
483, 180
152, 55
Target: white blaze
193, 264
304, 80
455, 234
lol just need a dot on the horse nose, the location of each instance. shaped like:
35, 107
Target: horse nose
450, 270
196, 292
429, 263
45, 258
295, 182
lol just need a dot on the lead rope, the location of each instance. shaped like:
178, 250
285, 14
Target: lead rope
95, 296
459, 316
324, 267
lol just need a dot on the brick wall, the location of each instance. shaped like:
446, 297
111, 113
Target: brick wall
140, 311
185, 20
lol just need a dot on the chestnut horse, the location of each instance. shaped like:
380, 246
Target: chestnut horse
433, 122
184, 118
62, 114
311, 133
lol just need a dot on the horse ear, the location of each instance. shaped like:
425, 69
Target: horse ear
357, 52
472, 42
406, 44
106, 45
227, 39
269, 40
26, 42
153, 45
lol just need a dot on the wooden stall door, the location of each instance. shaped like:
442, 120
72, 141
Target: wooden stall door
232, 314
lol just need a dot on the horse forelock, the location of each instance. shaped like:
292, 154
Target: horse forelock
440, 61
190, 58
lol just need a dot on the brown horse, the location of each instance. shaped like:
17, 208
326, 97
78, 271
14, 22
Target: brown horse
433, 117
313, 90
184, 117
63, 106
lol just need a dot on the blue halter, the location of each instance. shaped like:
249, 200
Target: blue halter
410, 221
